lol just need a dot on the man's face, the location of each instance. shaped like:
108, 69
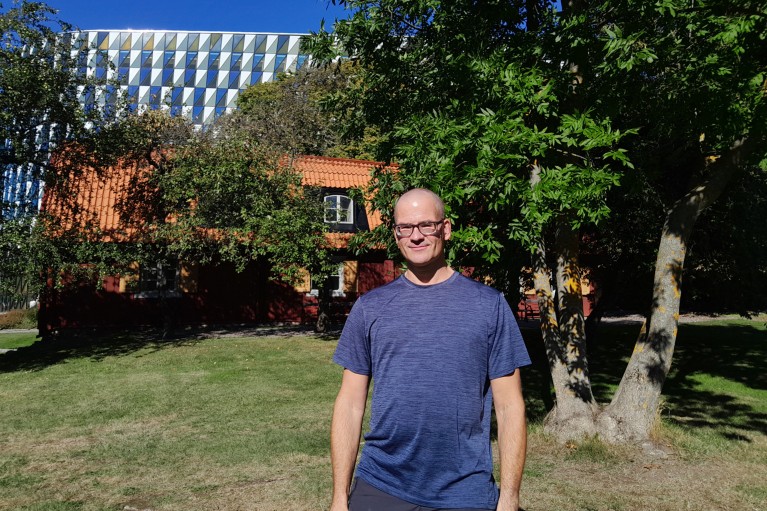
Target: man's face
421, 250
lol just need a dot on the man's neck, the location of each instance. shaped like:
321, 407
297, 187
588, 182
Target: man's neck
429, 275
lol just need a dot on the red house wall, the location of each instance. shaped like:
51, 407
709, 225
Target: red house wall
222, 296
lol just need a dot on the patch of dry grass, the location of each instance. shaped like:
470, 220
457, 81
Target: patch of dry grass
630, 479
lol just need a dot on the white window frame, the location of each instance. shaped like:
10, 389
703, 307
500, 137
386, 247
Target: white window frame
339, 291
337, 209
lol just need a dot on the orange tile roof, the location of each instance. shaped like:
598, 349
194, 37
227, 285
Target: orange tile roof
95, 201
334, 172
100, 205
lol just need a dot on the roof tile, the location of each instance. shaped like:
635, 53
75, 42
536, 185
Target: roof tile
99, 198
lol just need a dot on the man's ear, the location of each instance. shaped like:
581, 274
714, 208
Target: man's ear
447, 229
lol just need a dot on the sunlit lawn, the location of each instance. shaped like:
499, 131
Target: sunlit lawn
242, 423
16, 340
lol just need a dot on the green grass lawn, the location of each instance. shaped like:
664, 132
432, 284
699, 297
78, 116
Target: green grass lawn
242, 423
16, 340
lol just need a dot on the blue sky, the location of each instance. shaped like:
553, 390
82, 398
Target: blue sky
290, 16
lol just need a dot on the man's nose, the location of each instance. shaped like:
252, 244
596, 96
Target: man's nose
416, 235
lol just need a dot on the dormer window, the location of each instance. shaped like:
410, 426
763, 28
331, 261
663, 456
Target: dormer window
339, 209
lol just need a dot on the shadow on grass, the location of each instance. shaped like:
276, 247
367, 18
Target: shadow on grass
102, 343
735, 352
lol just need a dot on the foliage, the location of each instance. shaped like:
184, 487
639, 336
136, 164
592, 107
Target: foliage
525, 116
39, 109
467, 107
198, 196
242, 201
39, 103
285, 113
297, 113
19, 318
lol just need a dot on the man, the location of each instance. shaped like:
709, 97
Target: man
441, 349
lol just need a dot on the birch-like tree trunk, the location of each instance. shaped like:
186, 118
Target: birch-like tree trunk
632, 414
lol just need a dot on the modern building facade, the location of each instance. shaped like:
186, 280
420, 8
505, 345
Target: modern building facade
198, 74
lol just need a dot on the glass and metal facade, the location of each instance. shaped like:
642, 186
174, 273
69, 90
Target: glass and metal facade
198, 74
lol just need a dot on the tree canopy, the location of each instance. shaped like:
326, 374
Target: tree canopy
526, 118
39, 109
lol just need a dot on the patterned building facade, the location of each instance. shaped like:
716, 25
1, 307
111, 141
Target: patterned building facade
196, 74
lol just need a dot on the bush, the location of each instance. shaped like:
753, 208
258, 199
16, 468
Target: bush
19, 318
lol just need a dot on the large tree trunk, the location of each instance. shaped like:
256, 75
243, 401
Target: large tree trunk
573, 413
631, 415
562, 328
324, 319
571, 319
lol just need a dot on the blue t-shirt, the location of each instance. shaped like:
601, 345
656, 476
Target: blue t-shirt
431, 352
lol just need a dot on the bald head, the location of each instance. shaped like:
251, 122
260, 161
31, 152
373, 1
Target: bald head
419, 197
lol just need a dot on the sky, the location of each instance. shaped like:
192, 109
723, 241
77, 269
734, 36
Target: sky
285, 16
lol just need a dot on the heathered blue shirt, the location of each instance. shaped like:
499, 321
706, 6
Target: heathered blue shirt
431, 352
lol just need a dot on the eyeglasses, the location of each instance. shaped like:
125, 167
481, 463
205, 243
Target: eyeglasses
425, 228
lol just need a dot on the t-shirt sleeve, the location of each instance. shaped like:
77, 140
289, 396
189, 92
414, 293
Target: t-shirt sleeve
507, 350
353, 350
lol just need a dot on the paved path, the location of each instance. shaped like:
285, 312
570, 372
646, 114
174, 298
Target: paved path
19, 331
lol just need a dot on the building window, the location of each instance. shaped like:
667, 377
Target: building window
213, 60
170, 59
236, 60
339, 209
191, 60
162, 277
335, 283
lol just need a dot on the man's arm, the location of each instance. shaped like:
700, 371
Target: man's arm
512, 437
345, 434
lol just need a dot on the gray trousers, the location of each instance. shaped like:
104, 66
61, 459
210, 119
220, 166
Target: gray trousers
364, 497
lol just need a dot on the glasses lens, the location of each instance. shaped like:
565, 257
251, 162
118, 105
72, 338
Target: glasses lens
404, 230
427, 228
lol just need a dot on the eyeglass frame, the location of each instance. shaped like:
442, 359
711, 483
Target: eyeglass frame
435, 223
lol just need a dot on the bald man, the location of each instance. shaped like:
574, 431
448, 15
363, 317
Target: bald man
441, 350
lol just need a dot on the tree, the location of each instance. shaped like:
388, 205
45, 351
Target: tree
197, 196
710, 54
238, 196
297, 113
286, 113
524, 119
39, 108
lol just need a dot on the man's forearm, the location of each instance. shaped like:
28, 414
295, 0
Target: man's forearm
512, 438
512, 448
345, 432
344, 444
